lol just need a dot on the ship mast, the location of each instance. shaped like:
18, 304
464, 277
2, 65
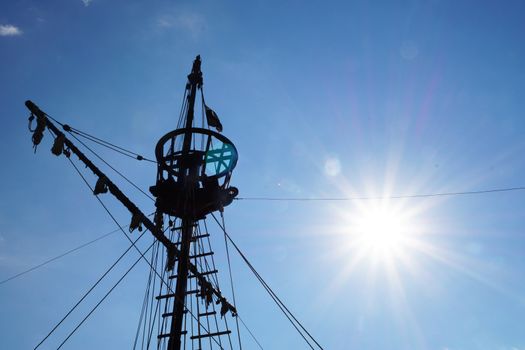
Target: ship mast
188, 183
194, 167
194, 170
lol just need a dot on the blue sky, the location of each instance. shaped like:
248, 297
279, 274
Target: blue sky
322, 99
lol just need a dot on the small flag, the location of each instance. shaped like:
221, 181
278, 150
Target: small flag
213, 119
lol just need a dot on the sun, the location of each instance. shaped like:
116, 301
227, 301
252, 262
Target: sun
382, 230
378, 243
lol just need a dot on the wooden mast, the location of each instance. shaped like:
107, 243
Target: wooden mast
189, 168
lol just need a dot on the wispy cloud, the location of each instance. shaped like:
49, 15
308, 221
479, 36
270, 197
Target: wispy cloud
9, 30
165, 22
192, 23
86, 2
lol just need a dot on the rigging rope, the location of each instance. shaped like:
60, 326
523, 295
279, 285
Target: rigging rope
108, 144
152, 314
87, 293
103, 298
231, 278
240, 318
115, 170
100, 141
249, 331
58, 256
424, 195
182, 108
72, 250
143, 310
274, 296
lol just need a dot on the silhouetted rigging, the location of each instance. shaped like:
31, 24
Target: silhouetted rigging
183, 299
